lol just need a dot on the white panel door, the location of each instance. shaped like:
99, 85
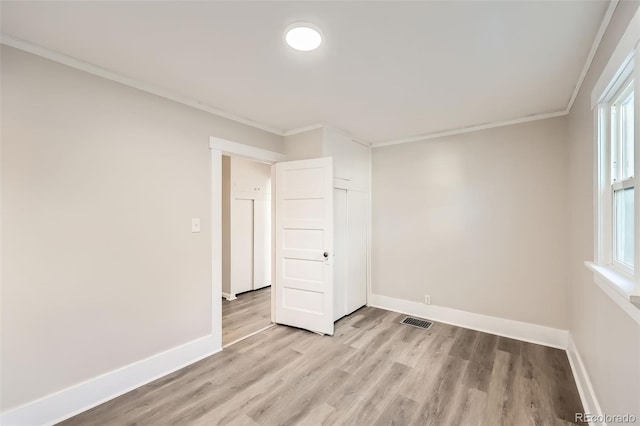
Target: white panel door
304, 244
357, 223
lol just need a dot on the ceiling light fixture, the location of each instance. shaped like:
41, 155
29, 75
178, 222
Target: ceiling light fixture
303, 36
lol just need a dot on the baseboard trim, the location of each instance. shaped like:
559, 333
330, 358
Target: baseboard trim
524, 331
228, 296
68, 402
588, 397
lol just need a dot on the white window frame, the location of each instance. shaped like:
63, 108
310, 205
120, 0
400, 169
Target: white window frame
615, 278
606, 174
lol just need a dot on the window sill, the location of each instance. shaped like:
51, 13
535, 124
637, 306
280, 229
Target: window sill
622, 289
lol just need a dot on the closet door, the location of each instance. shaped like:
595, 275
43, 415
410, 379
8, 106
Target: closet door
261, 243
242, 246
340, 259
356, 235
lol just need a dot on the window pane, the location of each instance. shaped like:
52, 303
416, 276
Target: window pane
626, 135
622, 160
623, 232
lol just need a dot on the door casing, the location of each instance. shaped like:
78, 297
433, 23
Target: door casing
218, 148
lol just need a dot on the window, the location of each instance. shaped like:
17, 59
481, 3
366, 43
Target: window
622, 177
616, 105
618, 239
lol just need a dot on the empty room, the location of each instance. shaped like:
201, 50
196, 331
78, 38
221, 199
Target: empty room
319, 213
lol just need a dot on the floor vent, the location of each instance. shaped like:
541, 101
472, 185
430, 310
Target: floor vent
415, 322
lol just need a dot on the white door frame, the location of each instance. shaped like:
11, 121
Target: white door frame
220, 147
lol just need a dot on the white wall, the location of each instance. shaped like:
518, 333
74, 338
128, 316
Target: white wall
607, 339
476, 221
99, 185
304, 145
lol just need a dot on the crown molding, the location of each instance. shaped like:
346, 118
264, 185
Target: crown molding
592, 53
303, 129
469, 129
136, 84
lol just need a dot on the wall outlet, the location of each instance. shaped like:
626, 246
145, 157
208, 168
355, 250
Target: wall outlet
427, 299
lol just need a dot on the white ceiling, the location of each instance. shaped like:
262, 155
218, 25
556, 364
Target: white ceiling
386, 70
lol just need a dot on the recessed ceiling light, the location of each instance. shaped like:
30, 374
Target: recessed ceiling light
303, 36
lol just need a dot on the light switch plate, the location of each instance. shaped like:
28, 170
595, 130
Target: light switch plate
195, 224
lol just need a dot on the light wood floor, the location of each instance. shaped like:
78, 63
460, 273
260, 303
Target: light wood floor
373, 371
247, 314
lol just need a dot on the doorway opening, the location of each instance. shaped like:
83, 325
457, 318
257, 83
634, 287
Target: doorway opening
313, 285
219, 148
246, 248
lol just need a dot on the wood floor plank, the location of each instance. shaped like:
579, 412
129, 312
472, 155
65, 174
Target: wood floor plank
382, 342
398, 412
370, 407
267, 388
434, 366
512, 346
186, 407
240, 420
349, 393
478, 374
498, 396
201, 403
318, 415
563, 390
467, 407
383, 324
413, 346
304, 404
271, 408
436, 402
465, 344
374, 370
247, 314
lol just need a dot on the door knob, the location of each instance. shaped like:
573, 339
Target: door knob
326, 254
